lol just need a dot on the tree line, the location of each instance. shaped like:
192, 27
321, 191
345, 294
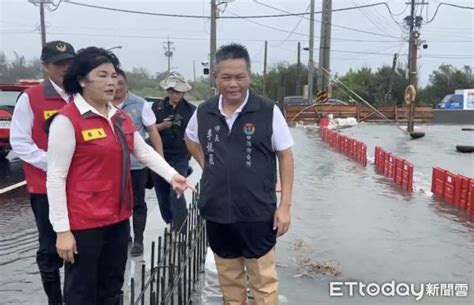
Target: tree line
371, 84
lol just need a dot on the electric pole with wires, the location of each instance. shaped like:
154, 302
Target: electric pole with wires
169, 50
414, 24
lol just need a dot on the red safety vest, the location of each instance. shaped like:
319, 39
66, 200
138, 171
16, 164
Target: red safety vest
44, 102
98, 185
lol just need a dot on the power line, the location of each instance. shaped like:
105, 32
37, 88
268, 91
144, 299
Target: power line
367, 16
447, 4
226, 17
332, 24
295, 28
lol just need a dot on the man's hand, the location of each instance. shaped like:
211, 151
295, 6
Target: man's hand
66, 246
282, 219
164, 125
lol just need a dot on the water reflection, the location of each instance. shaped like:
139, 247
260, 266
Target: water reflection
346, 213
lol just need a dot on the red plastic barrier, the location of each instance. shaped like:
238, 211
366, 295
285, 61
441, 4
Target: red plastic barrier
407, 176
333, 139
470, 207
437, 181
363, 154
379, 158
341, 142
350, 146
388, 166
461, 192
324, 122
398, 170
449, 187
355, 147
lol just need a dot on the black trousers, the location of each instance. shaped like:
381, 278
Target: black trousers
97, 275
47, 257
241, 239
173, 210
139, 178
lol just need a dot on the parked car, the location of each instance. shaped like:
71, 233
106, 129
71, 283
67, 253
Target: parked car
295, 100
333, 101
8, 97
152, 99
462, 99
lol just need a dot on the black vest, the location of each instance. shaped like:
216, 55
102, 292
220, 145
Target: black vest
239, 176
172, 138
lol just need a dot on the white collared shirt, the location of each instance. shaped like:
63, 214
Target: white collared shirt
281, 135
61, 147
21, 131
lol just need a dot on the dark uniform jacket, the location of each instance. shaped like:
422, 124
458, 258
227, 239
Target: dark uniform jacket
239, 176
174, 147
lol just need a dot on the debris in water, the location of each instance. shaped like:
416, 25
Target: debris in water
311, 268
301, 246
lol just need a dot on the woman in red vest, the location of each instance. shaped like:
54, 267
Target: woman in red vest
88, 180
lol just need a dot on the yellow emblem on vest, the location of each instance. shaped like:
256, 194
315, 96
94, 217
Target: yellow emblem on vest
93, 134
49, 113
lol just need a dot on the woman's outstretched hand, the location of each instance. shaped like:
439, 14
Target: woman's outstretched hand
181, 184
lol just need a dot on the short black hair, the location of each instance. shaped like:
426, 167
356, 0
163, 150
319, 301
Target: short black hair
85, 61
232, 51
122, 73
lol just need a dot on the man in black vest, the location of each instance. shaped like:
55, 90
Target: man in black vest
236, 138
172, 116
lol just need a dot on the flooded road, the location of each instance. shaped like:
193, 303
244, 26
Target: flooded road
342, 213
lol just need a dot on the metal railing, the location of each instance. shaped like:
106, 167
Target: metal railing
179, 261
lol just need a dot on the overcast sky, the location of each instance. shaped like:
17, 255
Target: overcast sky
449, 36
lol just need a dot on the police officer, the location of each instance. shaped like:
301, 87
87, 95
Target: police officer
236, 137
172, 116
29, 141
144, 120
88, 180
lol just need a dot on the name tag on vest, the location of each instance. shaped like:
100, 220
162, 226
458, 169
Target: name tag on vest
49, 113
93, 134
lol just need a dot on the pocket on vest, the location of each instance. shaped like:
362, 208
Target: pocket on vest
96, 199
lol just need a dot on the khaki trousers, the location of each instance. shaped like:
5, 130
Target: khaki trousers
261, 274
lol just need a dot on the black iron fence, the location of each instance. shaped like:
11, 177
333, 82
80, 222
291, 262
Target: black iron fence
179, 257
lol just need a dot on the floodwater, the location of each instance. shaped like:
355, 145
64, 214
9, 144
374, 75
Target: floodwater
343, 213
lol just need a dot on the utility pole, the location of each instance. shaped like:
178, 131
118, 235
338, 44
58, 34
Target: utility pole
212, 56
311, 54
265, 68
388, 95
298, 71
414, 23
169, 49
325, 45
43, 26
